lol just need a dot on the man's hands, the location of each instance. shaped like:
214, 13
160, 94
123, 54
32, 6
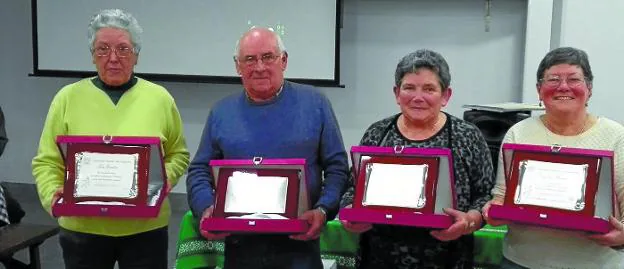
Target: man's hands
208, 235
316, 219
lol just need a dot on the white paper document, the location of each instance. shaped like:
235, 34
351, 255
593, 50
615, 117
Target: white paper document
258, 216
104, 203
250, 193
398, 185
554, 185
106, 175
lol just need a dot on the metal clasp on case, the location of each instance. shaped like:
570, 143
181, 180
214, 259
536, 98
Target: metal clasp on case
398, 149
257, 160
252, 223
104, 210
388, 216
555, 148
107, 139
543, 216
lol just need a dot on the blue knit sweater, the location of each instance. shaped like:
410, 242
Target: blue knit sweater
298, 123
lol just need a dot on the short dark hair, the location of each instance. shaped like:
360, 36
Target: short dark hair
566, 55
423, 58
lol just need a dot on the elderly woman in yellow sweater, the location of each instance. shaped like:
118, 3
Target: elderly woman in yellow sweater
116, 103
565, 86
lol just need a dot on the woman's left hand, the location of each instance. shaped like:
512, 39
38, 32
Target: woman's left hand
465, 223
615, 237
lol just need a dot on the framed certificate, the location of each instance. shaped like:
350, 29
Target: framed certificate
259, 191
402, 186
111, 176
557, 187
107, 173
259, 196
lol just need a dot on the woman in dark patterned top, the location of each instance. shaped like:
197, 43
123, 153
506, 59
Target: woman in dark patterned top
421, 89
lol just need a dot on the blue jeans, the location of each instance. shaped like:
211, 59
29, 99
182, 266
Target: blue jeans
271, 252
507, 264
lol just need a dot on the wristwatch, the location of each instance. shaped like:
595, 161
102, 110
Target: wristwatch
322, 210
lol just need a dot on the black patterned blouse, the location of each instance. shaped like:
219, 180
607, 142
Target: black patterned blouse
397, 247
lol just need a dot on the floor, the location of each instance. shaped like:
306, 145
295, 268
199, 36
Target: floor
50, 251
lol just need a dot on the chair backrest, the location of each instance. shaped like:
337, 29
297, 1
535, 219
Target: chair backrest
16, 213
3, 136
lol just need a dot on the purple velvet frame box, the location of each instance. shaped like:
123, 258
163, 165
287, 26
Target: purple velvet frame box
297, 200
599, 189
440, 189
151, 185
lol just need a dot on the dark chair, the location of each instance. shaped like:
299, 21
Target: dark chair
17, 236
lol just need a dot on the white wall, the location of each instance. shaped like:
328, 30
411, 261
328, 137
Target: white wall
486, 67
598, 28
593, 26
538, 43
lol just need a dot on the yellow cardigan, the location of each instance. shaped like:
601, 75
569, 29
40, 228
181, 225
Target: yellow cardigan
81, 108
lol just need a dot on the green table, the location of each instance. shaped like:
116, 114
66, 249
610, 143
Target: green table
488, 246
336, 244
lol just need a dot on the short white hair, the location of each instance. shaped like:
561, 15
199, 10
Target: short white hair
280, 43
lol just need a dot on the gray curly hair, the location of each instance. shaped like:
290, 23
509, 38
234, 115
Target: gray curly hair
115, 18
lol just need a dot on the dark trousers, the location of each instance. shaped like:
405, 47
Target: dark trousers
146, 250
271, 252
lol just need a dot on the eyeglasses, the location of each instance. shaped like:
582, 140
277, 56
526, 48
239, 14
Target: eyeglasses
121, 51
555, 81
265, 59
427, 88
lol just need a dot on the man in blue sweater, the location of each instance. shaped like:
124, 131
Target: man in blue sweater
272, 118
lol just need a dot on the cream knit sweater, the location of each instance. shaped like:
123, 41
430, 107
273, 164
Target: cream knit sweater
538, 247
